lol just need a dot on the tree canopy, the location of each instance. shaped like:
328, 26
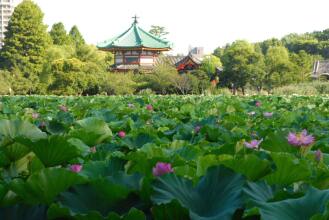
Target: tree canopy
76, 36
158, 31
26, 40
59, 35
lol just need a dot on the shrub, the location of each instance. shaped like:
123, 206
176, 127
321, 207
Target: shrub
321, 87
301, 89
117, 83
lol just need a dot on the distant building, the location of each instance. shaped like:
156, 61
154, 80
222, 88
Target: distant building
321, 68
135, 48
196, 51
6, 10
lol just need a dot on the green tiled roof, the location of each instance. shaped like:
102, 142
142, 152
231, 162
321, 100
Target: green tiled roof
135, 37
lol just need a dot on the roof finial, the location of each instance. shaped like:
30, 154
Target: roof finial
135, 19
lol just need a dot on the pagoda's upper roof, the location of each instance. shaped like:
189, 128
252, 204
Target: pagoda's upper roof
135, 37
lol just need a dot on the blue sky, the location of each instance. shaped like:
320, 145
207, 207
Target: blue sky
207, 23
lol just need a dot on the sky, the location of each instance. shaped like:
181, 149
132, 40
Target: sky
205, 23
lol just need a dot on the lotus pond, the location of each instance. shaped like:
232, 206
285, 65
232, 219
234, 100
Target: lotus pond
173, 157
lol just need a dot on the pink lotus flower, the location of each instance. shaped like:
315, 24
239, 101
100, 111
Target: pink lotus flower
93, 149
268, 114
35, 115
162, 168
254, 144
63, 108
197, 129
122, 134
300, 139
76, 168
149, 107
318, 155
258, 104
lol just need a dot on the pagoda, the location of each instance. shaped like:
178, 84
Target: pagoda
135, 49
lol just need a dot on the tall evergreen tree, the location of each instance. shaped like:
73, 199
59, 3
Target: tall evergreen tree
25, 41
76, 36
59, 35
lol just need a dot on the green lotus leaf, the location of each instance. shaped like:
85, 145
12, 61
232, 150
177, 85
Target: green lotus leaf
204, 162
56, 127
257, 192
314, 202
4, 160
289, 169
171, 210
253, 193
217, 195
21, 131
322, 216
277, 142
250, 165
23, 212
57, 150
57, 211
92, 131
134, 214
3, 191
100, 169
42, 187
16, 151
111, 194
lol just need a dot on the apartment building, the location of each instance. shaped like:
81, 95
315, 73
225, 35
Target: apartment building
6, 10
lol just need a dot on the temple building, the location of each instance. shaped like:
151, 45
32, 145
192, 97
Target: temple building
135, 49
138, 50
181, 63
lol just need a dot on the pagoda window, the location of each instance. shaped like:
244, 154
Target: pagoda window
132, 60
118, 60
135, 53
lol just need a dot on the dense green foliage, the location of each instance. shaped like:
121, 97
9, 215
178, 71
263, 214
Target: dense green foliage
59, 35
76, 36
215, 176
36, 62
25, 44
275, 63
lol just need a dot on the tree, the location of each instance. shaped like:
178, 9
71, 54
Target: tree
158, 31
257, 71
26, 41
59, 35
202, 79
239, 60
303, 64
266, 44
210, 64
76, 36
278, 67
219, 51
5, 85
